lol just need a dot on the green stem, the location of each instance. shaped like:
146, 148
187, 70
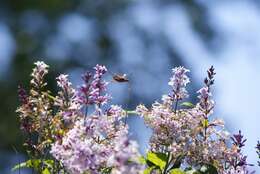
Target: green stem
131, 112
167, 163
176, 106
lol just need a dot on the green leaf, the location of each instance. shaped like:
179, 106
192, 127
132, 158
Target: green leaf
49, 163
178, 161
188, 104
149, 170
142, 160
150, 164
33, 163
106, 170
46, 171
50, 96
26, 164
192, 172
158, 159
205, 123
177, 171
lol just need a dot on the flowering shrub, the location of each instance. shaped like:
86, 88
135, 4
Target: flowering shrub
63, 136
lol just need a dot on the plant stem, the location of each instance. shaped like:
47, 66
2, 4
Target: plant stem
167, 163
86, 114
131, 112
176, 106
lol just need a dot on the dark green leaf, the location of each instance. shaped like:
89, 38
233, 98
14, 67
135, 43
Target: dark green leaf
208, 169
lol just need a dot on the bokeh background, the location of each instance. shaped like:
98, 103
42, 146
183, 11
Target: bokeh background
142, 38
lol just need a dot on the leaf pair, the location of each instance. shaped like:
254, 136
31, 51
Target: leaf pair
36, 165
156, 161
160, 161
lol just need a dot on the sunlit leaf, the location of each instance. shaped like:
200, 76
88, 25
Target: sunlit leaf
188, 104
177, 171
192, 172
46, 171
106, 170
159, 159
205, 123
149, 170
26, 164
142, 160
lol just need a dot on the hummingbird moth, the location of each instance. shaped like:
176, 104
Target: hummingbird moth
120, 78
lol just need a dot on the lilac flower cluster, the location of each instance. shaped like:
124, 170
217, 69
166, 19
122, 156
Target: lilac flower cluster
24, 100
35, 107
23, 97
38, 74
59, 129
236, 161
125, 150
67, 99
81, 143
93, 87
98, 144
190, 132
100, 136
206, 104
178, 82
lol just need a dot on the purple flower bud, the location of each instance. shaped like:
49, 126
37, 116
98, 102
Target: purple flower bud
258, 152
238, 140
23, 97
91, 92
86, 77
210, 79
205, 103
